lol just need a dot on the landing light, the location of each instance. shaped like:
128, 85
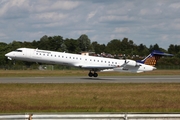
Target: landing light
9, 58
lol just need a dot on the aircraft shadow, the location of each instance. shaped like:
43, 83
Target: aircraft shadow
98, 79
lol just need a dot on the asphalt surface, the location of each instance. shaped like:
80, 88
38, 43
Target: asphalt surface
101, 79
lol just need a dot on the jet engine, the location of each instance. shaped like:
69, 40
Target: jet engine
131, 63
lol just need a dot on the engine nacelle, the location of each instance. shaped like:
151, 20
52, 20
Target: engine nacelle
131, 63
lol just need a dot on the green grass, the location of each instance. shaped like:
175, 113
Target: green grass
88, 97
56, 73
102, 97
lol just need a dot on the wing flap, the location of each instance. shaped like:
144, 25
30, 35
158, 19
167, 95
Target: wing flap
97, 67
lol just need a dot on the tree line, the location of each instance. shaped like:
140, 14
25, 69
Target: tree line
115, 47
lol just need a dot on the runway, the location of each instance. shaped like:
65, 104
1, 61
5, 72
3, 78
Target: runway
101, 79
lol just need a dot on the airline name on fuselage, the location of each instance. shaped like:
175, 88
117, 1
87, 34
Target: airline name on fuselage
47, 52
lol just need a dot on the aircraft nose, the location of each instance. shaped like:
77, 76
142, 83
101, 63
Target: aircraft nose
6, 55
9, 55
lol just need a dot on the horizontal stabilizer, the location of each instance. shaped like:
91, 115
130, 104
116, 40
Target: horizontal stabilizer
156, 52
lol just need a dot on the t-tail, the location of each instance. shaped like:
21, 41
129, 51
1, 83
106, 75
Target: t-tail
153, 57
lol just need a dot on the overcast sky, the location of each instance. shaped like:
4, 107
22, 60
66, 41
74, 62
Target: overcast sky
143, 21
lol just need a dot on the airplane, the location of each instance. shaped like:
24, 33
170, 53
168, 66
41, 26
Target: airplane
92, 63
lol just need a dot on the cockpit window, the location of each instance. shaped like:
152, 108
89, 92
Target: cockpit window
18, 50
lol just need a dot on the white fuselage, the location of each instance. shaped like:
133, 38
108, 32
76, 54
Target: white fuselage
76, 60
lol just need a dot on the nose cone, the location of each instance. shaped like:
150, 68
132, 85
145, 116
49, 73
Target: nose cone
9, 55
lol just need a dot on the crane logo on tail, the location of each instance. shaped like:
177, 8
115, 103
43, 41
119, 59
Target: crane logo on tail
152, 60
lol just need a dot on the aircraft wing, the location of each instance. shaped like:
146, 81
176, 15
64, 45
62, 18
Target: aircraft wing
97, 67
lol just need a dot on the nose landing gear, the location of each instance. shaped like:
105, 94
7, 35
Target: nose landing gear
90, 74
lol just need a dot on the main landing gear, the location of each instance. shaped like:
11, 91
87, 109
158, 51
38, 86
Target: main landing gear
92, 74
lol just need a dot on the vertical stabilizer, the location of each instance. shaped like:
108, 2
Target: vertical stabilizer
153, 57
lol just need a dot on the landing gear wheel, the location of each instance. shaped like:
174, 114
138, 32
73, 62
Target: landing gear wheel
95, 74
90, 74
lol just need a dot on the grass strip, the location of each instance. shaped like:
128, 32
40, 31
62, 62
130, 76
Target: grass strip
90, 97
56, 73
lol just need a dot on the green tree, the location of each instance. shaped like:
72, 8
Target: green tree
154, 47
63, 48
142, 50
84, 43
98, 48
55, 43
174, 49
43, 43
71, 45
114, 47
3, 49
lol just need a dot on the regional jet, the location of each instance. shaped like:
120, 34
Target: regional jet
92, 63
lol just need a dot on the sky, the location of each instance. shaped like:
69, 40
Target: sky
147, 22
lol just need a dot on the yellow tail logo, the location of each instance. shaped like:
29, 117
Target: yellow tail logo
152, 60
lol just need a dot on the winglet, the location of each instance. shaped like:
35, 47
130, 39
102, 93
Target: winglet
153, 57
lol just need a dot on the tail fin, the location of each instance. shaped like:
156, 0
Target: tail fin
153, 57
